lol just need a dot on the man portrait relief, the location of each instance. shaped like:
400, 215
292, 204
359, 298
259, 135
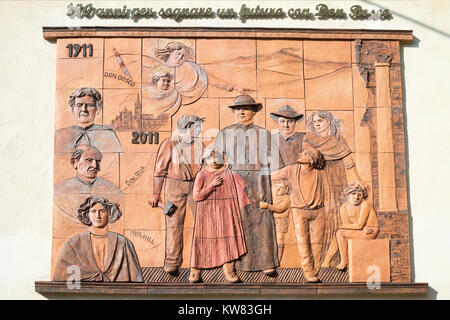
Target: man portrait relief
86, 161
287, 140
85, 105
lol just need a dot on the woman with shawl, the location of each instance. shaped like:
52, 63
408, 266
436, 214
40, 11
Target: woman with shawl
324, 135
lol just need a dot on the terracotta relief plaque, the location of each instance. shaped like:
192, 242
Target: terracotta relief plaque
229, 160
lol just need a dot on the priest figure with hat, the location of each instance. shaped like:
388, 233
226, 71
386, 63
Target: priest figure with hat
247, 148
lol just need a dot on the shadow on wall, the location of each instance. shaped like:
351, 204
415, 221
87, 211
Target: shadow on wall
441, 32
414, 44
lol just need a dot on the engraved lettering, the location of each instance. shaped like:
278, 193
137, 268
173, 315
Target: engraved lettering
138, 234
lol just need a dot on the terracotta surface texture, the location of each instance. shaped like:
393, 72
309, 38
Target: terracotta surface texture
328, 76
280, 69
133, 119
231, 70
369, 260
122, 66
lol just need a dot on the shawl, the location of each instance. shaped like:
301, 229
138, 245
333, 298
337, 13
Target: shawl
332, 147
121, 265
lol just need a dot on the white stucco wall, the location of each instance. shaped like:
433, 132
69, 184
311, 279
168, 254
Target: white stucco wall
27, 109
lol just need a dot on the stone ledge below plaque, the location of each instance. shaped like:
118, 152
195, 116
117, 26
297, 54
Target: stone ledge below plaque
49, 287
287, 282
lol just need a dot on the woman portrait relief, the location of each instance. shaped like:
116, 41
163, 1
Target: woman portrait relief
99, 254
174, 53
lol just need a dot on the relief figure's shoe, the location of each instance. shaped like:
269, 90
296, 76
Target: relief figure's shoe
269, 272
194, 275
171, 269
229, 272
310, 276
341, 266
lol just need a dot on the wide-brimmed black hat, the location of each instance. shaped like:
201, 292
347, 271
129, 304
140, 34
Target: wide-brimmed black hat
245, 101
286, 112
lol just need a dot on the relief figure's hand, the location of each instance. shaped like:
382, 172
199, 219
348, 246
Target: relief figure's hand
217, 181
154, 200
263, 205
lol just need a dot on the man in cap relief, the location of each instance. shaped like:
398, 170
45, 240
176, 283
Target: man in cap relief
288, 141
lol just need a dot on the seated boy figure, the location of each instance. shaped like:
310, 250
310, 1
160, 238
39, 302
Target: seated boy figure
309, 199
359, 221
281, 208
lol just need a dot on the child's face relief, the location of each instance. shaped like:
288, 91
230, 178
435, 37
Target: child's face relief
355, 198
214, 162
303, 157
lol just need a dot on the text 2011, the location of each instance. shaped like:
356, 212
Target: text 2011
140, 137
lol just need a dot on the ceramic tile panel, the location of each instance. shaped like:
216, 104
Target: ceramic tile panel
122, 66
146, 140
362, 130
280, 69
367, 257
363, 165
328, 75
136, 172
332, 91
232, 69
121, 108
62, 168
76, 73
145, 240
65, 224
383, 47
291, 257
386, 165
402, 198
108, 168
140, 213
171, 76
187, 247
57, 244
150, 259
387, 197
360, 92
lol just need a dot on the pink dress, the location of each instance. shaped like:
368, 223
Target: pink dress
218, 234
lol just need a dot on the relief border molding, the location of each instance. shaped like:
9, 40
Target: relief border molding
53, 33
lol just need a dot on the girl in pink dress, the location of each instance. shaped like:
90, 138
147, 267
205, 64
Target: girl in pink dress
218, 235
